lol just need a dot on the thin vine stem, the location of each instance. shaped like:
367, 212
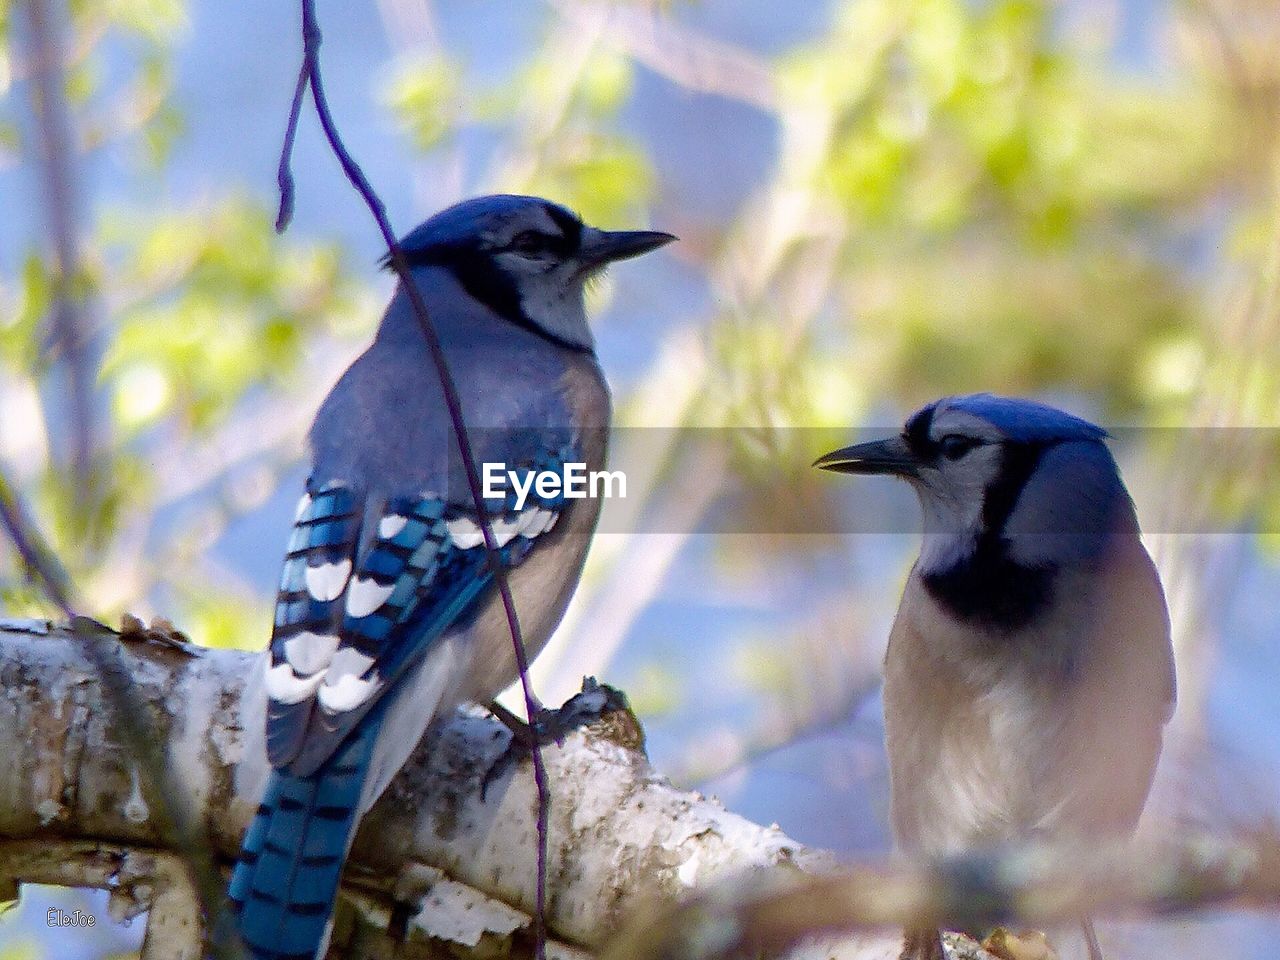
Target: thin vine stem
309, 76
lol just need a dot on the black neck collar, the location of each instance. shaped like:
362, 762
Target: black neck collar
987, 586
990, 589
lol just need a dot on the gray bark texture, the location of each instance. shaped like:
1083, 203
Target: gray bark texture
436, 869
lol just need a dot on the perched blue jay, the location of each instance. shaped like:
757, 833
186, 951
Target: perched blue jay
1029, 669
387, 614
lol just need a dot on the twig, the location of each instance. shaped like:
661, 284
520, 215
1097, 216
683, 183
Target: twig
682, 55
1039, 885
284, 172
68, 333
764, 742
41, 564
311, 40
164, 796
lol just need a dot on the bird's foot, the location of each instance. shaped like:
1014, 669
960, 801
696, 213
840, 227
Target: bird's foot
1027, 945
596, 702
548, 727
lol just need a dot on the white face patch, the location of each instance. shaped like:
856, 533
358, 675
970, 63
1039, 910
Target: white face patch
310, 653
951, 500
348, 693
390, 525
327, 581
952, 492
283, 687
552, 299
366, 596
549, 285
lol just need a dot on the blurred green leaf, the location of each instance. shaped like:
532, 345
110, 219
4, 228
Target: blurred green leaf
603, 178
217, 618
605, 83
422, 94
655, 690
226, 306
20, 318
23, 949
154, 20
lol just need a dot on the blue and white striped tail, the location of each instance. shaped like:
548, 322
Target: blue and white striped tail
284, 885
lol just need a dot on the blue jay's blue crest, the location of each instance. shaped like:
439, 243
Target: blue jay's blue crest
475, 224
1023, 421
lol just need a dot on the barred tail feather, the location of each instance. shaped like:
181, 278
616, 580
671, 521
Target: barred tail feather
286, 880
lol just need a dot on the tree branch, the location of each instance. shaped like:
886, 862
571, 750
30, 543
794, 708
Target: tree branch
128, 714
438, 861
618, 834
1038, 885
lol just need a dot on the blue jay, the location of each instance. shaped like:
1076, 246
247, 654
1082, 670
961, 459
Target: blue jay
1029, 670
387, 614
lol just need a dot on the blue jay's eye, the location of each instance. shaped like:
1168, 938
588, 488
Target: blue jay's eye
530, 241
954, 446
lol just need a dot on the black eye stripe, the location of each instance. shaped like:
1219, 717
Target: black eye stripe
916, 434
1017, 462
570, 226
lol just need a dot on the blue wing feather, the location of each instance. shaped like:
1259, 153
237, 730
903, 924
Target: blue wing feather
431, 584
325, 531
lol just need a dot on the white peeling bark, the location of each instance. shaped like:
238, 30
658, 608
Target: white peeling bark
619, 835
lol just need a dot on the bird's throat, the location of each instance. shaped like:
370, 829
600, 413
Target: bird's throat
988, 587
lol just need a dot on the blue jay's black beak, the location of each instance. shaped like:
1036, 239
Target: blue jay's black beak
891, 456
601, 247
